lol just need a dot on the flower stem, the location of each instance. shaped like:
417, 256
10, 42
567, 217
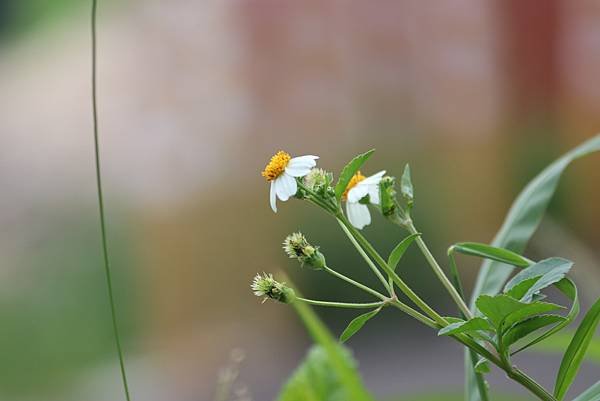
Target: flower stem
365, 256
362, 241
415, 314
341, 304
101, 207
355, 283
439, 272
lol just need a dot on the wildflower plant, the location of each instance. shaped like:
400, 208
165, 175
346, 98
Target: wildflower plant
506, 314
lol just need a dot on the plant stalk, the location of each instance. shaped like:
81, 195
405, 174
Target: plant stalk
439, 272
101, 206
350, 305
355, 283
362, 241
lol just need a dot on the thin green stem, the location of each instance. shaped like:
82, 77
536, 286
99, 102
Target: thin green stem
365, 256
355, 283
439, 272
415, 314
341, 304
101, 206
362, 241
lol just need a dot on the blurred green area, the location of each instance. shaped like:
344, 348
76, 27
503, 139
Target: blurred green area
55, 315
18, 17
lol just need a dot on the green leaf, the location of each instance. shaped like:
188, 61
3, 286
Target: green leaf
521, 222
568, 288
538, 276
591, 394
349, 170
477, 323
482, 366
316, 379
575, 352
528, 311
345, 372
399, 250
491, 252
498, 308
526, 327
524, 217
406, 186
356, 324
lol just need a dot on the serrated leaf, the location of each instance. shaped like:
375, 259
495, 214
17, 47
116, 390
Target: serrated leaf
491, 252
356, 324
518, 291
349, 170
568, 288
406, 186
475, 324
521, 222
400, 249
499, 307
528, 311
540, 276
528, 326
574, 354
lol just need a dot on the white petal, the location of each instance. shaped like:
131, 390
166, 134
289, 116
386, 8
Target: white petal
358, 215
357, 192
374, 194
285, 186
373, 180
300, 166
272, 197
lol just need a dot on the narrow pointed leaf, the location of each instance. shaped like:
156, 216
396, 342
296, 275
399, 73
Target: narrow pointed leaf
482, 366
538, 276
526, 327
576, 351
400, 249
591, 394
356, 324
349, 170
475, 324
491, 252
568, 288
406, 186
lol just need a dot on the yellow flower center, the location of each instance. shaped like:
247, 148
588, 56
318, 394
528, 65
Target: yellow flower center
356, 178
276, 166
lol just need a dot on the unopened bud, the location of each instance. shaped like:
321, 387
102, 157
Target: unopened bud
297, 247
266, 286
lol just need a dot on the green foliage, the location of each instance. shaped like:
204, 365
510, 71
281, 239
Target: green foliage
575, 352
406, 187
591, 394
345, 372
356, 324
520, 224
349, 170
316, 379
400, 249
490, 252
532, 280
475, 324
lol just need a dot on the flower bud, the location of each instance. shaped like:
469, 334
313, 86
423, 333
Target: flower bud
387, 195
266, 286
319, 181
297, 247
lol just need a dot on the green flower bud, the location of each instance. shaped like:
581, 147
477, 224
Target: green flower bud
297, 247
266, 286
387, 195
319, 181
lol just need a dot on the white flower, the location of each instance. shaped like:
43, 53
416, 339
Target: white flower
282, 171
359, 187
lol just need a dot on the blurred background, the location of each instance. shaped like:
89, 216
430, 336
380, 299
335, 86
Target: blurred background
194, 98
